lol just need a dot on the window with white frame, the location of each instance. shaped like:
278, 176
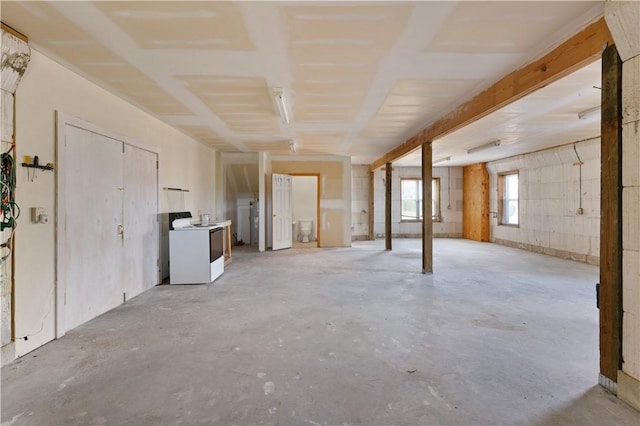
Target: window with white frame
508, 210
411, 198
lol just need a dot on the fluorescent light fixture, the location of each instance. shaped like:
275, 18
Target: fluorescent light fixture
281, 104
442, 160
485, 146
292, 146
588, 113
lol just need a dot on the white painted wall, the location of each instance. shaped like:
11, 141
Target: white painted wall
549, 198
264, 198
450, 224
230, 205
304, 194
218, 208
47, 87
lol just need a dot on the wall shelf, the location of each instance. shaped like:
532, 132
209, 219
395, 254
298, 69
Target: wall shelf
33, 166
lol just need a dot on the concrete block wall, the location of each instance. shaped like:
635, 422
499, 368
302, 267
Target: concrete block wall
359, 202
549, 198
631, 231
450, 224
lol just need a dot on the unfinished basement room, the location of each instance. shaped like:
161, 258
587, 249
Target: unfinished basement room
320, 213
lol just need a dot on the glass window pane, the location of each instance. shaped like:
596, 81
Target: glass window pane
434, 198
513, 212
411, 195
510, 199
408, 190
512, 186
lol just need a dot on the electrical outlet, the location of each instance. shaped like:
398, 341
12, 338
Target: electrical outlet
36, 212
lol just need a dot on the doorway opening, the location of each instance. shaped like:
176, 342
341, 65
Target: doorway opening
305, 199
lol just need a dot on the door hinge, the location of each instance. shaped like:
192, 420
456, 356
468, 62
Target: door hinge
598, 295
157, 165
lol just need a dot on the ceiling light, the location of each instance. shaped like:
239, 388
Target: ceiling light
442, 160
292, 146
588, 113
281, 104
485, 146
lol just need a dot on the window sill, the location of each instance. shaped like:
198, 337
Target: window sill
509, 225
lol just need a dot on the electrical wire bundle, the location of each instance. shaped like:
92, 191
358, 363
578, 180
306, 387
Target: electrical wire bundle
8, 207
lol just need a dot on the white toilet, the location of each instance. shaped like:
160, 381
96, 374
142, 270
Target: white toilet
305, 229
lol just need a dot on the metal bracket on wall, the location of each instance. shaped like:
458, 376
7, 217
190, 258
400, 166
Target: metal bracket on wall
175, 189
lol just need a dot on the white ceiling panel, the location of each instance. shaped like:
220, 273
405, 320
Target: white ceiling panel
359, 78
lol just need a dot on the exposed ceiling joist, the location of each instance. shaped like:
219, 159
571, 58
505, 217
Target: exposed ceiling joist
578, 51
10, 30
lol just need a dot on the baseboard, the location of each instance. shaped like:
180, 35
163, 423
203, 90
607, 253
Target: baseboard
578, 257
7, 353
439, 235
629, 389
608, 384
448, 235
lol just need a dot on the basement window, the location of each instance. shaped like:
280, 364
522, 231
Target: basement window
508, 211
411, 198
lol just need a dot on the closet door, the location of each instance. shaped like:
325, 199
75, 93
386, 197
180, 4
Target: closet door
141, 227
92, 225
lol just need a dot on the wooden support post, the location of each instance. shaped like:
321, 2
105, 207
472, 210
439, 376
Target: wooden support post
611, 216
372, 235
387, 206
427, 222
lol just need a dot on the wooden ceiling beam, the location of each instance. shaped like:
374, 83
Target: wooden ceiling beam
10, 30
578, 51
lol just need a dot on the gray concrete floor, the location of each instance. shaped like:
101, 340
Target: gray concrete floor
336, 336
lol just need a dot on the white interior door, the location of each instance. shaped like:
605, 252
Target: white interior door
92, 225
282, 211
141, 226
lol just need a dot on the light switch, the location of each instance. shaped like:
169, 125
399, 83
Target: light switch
39, 215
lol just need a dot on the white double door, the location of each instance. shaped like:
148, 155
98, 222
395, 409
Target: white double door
108, 239
281, 190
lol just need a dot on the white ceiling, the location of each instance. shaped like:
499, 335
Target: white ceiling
544, 119
359, 77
